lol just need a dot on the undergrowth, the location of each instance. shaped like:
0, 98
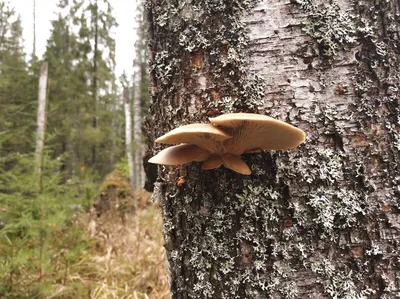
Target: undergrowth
54, 244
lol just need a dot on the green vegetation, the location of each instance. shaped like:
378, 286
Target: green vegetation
38, 238
53, 245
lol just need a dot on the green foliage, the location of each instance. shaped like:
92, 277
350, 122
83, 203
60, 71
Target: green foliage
83, 106
17, 108
122, 167
38, 237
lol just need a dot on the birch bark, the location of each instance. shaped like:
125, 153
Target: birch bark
128, 134
322, 221
137, 107
41, 118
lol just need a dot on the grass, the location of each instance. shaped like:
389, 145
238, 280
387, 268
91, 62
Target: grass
131, 262
128, 260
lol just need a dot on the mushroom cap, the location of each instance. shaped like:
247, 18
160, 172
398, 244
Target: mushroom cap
257, 132
235, 163
179, 154
205, 136
214, 161
203, 157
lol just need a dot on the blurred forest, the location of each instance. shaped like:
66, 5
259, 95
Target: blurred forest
77, 229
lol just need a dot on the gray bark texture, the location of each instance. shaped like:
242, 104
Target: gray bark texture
320, 221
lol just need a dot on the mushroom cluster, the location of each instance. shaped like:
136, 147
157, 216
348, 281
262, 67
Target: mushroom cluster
224, 141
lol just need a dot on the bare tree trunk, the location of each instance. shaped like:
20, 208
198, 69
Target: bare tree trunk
41, 118
137, 107
34, 30
72, 141
114, 112
95, 91
322, 221
128, 134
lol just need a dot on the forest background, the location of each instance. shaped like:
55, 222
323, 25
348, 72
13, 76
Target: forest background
71, 230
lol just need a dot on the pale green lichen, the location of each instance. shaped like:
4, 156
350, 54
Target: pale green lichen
164, 67
333, 28
263, 205
338, 280
336, 208
192, 38
316, 165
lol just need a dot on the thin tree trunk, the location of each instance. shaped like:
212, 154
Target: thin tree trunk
137, 120
114, 112
321, 221
128, 134
95, 91
72, 140
41, 118
34, 30
137, 107
68, 143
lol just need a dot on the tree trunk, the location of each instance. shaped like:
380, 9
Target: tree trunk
128, 135
114, 126
137, 107
41, 118
321, 221
95, 91
34, 31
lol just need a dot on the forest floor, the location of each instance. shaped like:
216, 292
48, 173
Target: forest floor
107, 244
126, 258
129, 258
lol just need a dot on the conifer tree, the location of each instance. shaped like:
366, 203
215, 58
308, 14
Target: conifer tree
83, 92
17, 115
96, 22
67, 87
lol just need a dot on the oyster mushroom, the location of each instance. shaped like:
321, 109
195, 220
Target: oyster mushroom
224, 141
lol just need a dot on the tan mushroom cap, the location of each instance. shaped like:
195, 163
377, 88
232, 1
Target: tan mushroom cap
180, 154
205, 136
253, 132
235, 163
214, 161
203, 157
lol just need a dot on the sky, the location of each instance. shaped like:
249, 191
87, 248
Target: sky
124, 11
